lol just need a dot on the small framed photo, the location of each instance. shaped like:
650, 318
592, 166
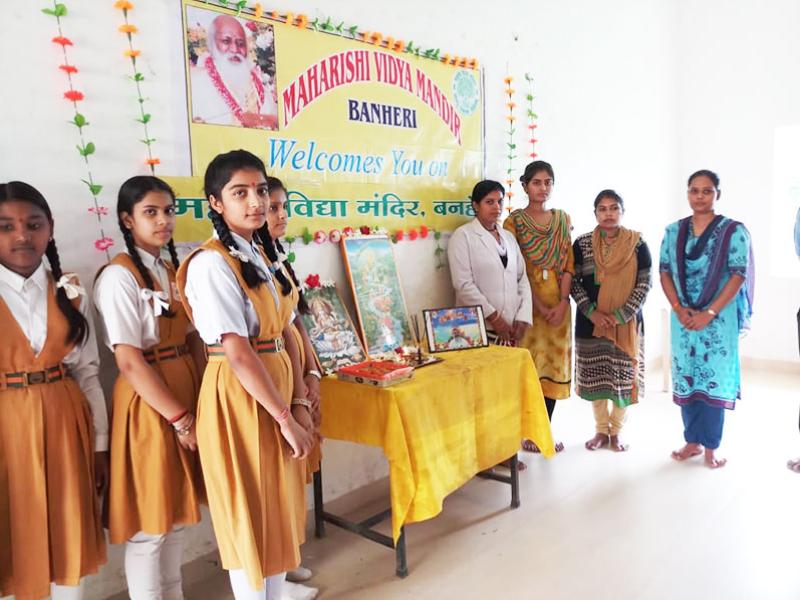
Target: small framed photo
458, 328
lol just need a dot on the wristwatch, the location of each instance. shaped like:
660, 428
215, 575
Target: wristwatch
315, 373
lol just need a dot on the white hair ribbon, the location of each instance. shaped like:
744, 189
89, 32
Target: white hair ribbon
238, 254
160, 300
72, 290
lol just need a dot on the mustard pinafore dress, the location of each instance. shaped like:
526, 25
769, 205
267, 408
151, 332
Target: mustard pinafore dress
155, 483
49, 516
254, 486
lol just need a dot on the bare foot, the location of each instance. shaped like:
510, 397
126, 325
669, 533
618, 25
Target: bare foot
521, 466
616, 445
600, 440
794, 465
712, 462
530, 446
688, 451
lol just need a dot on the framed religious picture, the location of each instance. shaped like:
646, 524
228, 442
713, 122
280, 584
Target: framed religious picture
333, 337
230, 69
380, 306
456, 328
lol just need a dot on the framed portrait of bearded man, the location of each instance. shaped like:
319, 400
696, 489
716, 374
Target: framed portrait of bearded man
231, 70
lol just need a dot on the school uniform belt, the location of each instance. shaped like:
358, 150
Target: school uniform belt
162, 353
24, 379
261, 346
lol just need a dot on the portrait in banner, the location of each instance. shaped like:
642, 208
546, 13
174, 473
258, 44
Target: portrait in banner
380, 306
231, 70
332, 334
456, 328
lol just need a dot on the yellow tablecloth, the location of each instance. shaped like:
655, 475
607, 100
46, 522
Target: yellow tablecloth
450, 421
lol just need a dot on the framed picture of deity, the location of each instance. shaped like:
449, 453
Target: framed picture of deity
333, 337
380, 306
456, 328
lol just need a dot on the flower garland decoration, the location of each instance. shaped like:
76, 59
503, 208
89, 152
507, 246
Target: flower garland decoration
313, 281
85, 148
512, 147
532, 117
132, 53
328, 25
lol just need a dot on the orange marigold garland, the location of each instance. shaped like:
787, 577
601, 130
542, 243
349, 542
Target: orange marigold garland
85, 148
327, 25
133, 53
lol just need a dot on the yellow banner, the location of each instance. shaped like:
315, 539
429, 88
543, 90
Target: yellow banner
359, 134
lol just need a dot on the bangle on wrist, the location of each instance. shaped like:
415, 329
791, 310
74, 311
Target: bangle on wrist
184, 428
301, 402
712, 312
315, 373
282, 416
177, 417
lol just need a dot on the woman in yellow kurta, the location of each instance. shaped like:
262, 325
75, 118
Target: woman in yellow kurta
249, 435
543, 236
53, 423
156, 485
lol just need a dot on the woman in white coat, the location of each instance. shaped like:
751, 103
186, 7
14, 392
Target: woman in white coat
487, 268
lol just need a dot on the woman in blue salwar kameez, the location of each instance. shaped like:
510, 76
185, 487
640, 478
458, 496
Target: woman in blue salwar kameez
706, 267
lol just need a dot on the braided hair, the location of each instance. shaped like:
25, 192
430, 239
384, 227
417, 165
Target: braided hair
276, 184
218, 173
78, 331
130, 194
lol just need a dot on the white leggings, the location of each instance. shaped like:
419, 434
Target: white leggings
66, 592
272, 590
153, 565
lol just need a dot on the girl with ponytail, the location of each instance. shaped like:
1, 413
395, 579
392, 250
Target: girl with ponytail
53, 421
252, 436
156, 485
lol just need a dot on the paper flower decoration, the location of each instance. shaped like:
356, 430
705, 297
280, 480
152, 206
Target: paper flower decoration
335, 236
365, 230
320, 236
62, 41
348, 232
399, 234
312, 281
423, 231
103, 243
68, 69
412, 235
73, 95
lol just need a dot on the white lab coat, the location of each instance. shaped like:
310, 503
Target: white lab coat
479, 277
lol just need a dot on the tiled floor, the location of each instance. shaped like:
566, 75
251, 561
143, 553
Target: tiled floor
600, 525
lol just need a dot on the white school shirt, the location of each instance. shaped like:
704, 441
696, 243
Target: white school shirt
219, 304
27, 301
127, 311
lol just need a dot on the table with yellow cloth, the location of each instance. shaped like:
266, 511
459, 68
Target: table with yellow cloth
451, 421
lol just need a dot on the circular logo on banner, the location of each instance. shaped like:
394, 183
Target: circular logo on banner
466, 92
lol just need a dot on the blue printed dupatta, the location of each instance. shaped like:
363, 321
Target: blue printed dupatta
705, 364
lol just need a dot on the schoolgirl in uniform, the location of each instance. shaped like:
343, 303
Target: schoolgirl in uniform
306, 364
249, 435
156, 485
53, 420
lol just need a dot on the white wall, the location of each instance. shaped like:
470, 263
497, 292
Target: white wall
737, 81
631, 95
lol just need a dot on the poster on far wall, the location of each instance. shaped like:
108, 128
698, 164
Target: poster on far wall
360, 134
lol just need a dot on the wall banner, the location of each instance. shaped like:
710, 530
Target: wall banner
359, 134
